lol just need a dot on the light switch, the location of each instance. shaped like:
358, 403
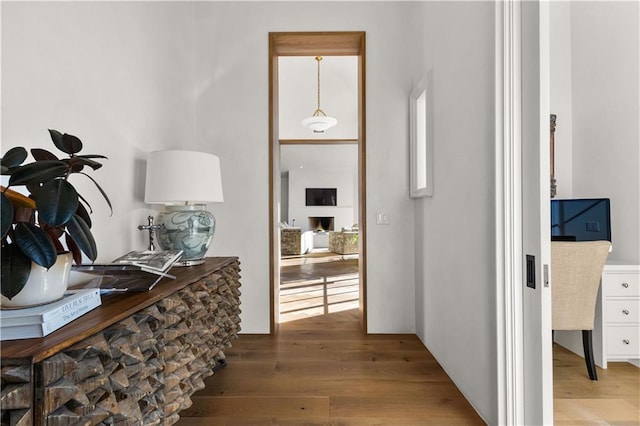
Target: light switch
382, 218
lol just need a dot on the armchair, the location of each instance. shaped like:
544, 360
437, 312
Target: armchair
576, 268
344, 241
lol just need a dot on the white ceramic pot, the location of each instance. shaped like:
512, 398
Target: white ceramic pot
43, 286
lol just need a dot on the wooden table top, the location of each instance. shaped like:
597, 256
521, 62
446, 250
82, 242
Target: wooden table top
114, 308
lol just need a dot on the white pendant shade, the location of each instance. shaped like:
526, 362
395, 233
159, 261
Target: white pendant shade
319, 123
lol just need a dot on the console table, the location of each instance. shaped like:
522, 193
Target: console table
134, 360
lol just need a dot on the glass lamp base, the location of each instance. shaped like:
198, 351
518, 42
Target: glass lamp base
189, 228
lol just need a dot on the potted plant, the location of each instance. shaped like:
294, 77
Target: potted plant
33, 226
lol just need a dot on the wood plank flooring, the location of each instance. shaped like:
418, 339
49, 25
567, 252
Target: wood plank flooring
317, 284
323, 371
614, 399
320, 370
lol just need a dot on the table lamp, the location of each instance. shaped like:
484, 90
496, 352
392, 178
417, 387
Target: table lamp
184, 182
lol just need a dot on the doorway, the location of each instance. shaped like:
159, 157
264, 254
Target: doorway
313, 44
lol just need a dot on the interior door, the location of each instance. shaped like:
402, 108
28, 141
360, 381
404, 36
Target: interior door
525, 372
537, 348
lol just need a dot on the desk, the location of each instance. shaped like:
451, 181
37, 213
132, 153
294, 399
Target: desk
139, 356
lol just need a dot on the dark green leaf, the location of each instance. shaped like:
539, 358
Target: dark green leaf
87, 204
84, 214
74, 249
40, 171
81, 235
7, 213
92, 156
16, 268
78, 160
57, 202
14, 157
35, 243
56, 137
42, 154
74, 166
70, 144
104, 194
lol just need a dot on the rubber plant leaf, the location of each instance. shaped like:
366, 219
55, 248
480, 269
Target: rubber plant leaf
57, 202
14, 157
42, 154
6, 210
40, 171
104, 194
74, 249
35, 243
81, 235
84, 214
84, 161
16, 268
66, 143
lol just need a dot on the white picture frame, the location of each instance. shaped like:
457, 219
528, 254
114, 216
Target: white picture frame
420, 142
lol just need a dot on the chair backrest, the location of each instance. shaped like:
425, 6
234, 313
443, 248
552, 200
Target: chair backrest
576, 268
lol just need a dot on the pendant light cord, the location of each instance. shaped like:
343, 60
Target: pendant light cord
319, 111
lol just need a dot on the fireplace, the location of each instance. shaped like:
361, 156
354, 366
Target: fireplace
321, 223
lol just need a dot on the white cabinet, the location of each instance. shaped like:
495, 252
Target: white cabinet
618, 315
616, 330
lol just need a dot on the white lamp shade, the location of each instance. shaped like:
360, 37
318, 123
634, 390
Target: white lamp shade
183, 177
319, 123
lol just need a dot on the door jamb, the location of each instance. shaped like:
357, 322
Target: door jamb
347, 43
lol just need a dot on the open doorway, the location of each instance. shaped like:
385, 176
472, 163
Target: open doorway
319, 233
295, 45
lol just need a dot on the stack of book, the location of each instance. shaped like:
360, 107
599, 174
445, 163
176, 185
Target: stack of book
38, 321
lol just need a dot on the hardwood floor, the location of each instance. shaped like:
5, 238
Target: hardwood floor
614, 399
320, 370
323, 371
317, 284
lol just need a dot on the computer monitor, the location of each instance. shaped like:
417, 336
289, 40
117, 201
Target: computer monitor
584, 219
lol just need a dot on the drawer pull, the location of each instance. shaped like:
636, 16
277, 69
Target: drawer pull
625, 341
625, 311
625, 285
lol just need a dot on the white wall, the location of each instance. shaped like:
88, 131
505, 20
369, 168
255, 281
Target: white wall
130, 78
602, 109
606, 115
232, 120
118, 76
455, 231
342, 180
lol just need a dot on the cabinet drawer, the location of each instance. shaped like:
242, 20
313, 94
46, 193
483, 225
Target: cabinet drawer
621, 284
623, 341
626, 311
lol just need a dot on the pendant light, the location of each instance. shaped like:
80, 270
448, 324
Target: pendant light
319, 121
